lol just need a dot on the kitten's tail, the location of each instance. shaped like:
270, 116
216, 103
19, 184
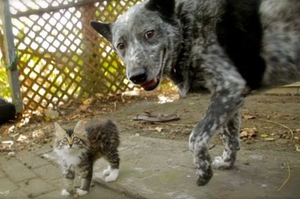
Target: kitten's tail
111, 124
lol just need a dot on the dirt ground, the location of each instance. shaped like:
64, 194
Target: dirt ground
269, 121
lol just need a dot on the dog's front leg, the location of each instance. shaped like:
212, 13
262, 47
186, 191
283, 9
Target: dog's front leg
225, 103
230, 135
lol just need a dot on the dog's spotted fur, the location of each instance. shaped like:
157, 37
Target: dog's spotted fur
229, 47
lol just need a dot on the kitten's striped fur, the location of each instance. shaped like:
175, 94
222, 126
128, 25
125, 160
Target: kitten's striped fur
78, 149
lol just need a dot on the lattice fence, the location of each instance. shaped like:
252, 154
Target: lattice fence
60, 56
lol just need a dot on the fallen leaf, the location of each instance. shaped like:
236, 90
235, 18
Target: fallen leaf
248, 117
73, 117
83, 107
38, 134
50, 114
11, 154
88, 101
246, 163
264, 135
248, 132
158, 129
269, 139
244, 134
7, 144
47, 119
22, 138
84, 102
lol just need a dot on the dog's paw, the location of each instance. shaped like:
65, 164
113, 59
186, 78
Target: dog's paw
204, 170
221, 163
204, 177
113, 175
64, 192
81, 192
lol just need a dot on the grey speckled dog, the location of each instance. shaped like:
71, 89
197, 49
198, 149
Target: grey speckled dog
229, 47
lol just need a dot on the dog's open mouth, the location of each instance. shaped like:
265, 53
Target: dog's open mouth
152, 84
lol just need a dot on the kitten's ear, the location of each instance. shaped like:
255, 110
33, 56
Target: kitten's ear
103, 29
80, 128
59, 131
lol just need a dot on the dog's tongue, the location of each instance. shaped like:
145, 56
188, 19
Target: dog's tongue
152, 84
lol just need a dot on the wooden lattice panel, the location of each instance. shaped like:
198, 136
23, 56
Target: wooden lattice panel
60, 56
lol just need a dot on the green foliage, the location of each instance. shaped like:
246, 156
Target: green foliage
4, 86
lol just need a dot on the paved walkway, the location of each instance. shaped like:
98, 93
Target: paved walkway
30, 175
155, 168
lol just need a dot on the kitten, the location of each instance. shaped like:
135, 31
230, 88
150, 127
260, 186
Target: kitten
80, 148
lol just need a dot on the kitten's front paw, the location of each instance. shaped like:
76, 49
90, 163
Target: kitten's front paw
106, 172
113, 175
81, 192
64, 192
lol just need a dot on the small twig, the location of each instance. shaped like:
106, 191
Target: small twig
291, 131
211, 146
288, 178
167, 123
7, 149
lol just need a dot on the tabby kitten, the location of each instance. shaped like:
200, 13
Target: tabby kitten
80, 148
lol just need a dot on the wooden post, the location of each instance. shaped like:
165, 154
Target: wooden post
11, 56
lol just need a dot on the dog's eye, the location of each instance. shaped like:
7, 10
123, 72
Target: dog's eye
120, 46
149, 34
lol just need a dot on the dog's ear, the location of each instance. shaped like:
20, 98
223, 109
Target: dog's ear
103, 29
164, 7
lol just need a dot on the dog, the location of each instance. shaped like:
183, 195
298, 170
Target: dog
228, 47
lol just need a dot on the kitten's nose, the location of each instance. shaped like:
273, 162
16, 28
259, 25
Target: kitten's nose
70, 145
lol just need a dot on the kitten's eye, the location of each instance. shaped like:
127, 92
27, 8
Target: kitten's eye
149, 34
120, 46
65, 139
75, 139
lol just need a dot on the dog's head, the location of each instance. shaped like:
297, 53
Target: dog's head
147, 38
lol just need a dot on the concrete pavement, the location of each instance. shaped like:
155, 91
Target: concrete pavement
157, 168
31, 175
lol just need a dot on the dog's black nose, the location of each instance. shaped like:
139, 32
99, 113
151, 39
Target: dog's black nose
138, 75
